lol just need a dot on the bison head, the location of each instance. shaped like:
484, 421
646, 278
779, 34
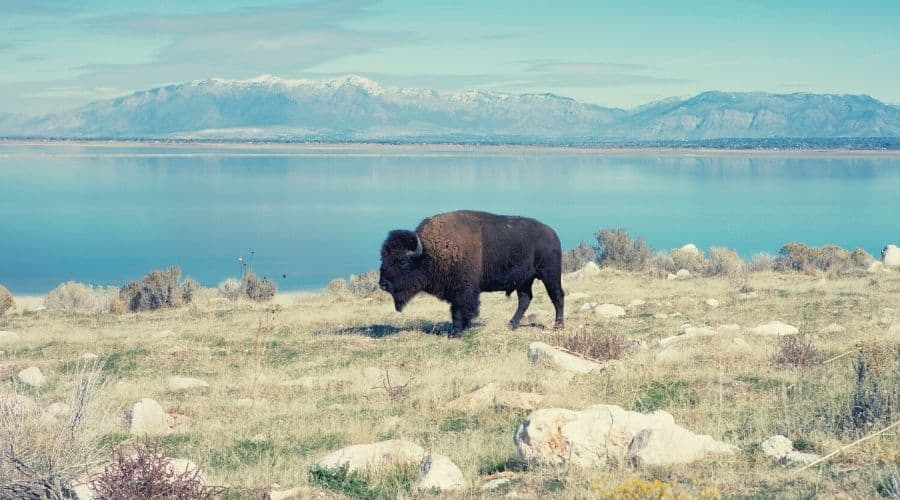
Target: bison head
402, 270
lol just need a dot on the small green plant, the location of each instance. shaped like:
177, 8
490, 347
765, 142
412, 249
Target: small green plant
659, 395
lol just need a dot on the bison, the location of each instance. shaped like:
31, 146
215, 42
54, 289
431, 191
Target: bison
457, 255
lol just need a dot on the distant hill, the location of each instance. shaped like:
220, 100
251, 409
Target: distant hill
357, 109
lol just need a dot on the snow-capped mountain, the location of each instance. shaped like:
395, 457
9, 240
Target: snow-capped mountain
356, 108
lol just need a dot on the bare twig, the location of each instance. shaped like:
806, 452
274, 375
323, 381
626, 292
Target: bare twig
842, 448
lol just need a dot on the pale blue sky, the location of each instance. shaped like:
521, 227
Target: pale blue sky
55, 55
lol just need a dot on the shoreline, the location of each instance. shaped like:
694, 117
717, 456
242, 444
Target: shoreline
305, 148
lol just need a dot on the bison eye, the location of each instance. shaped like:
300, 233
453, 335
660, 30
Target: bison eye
403, 263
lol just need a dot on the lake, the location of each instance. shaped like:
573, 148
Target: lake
303, 215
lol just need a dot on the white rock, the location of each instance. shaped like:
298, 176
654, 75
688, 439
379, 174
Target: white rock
251, 403
589, 269
148, 419
748, 295
775, 328
609, 311
660, 316
363, 457
518, 400
832, 328
88, 356
636, 303
163, 334
691, 249
495, 484
729, 328
587, 306
875, 267
179, 384
688, 332
438, 472
540, 352
289, 494
781, 449
6, 336
313, 383
476, 400
682, 274
712, 302
32, 376
179, 466
890, 256
671, 277
577, 296
606, 435
58, 410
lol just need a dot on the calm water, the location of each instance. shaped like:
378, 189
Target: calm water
108, 214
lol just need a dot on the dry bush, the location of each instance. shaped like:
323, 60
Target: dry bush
230, 289
143, 472
157, 290
189, 290
616, 249
78, 298
41, 458
364, 284
861, 258
6, 300
688, 259
602, 347
724, 262
337, 287
761, 262
799, 257
876, 396
796, 351
663, 262
258, 290
832, 259
794, 257
577, 257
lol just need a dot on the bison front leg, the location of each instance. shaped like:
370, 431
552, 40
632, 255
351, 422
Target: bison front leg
524, 294
463, 311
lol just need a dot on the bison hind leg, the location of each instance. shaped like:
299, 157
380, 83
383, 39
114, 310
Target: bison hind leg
553, 284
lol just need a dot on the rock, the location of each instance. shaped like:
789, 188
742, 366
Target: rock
831, 329
603, 435
313, 383
660, 316
81, 486
32, 376
179, 384
671, 277
775, 328
609, 311
781, 449
682, 274
540, 352
748, 295
6, 336
363, 457
518, 400
692, 249
477, 400
148, 419
88, 356
729, 328
577, 296
496, 484
438, 472
875, 267
589, 269
890, 256
163, 334
669, 355
289, 494
636, 303
712, 302
688, 332
56, 410
251, 403
587, 306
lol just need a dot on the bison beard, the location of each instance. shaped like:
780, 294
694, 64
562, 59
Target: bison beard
457, 255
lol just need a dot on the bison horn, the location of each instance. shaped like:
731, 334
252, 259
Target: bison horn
418, 251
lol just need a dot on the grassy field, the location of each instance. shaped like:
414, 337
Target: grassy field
335, 349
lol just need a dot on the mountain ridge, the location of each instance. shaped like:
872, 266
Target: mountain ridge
355, 108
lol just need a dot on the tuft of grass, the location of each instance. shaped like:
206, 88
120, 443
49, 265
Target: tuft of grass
796, 351
659, 395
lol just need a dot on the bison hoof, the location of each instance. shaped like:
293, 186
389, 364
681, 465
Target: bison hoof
513, 326
559, 326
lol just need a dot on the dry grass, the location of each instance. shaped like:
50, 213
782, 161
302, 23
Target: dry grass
735, 394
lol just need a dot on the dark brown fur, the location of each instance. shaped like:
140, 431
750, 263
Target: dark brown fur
465, 253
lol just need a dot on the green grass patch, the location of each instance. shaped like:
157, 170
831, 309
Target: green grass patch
760, 383
390, 484
458, 423
658, 395
112, 439
124, 362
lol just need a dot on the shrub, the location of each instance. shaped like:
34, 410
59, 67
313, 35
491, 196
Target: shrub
577, 257
364, 284
230, 289
663, 262
689, 259
6, 300
794, 257
146, 473
40, 459
78, 298
724, 262
157, 290
761, 262
830, 258
861, 258
189, 290
337, 287
875, 399
616, 249
795, 351
593, 346
799, 257
258, 290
